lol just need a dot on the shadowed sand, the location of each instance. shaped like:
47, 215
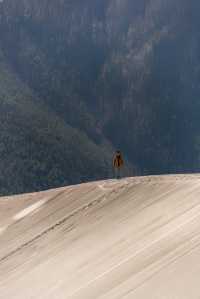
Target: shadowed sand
132, 238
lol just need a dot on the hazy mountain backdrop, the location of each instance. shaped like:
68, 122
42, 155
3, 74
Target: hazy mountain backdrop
81, 78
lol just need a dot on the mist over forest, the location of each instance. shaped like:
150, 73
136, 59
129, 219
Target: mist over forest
80, 79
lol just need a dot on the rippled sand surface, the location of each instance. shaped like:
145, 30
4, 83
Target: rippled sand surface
133, 238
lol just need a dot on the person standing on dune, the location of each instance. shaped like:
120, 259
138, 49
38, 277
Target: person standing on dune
118, 163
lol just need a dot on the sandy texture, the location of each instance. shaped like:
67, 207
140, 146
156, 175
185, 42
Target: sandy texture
134, 238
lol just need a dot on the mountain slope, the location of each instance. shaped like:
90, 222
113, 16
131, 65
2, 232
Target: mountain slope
134, 238
38, 149
125, 73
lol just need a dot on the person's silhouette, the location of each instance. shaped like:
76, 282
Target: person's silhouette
118, 162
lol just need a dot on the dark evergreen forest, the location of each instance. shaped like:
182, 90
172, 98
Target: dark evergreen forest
79, 79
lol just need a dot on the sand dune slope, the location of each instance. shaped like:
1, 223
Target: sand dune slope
133, 238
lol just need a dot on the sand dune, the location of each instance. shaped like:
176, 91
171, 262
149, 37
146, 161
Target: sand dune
133, 238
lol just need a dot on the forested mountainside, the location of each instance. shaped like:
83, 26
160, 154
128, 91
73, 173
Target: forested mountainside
81, 78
